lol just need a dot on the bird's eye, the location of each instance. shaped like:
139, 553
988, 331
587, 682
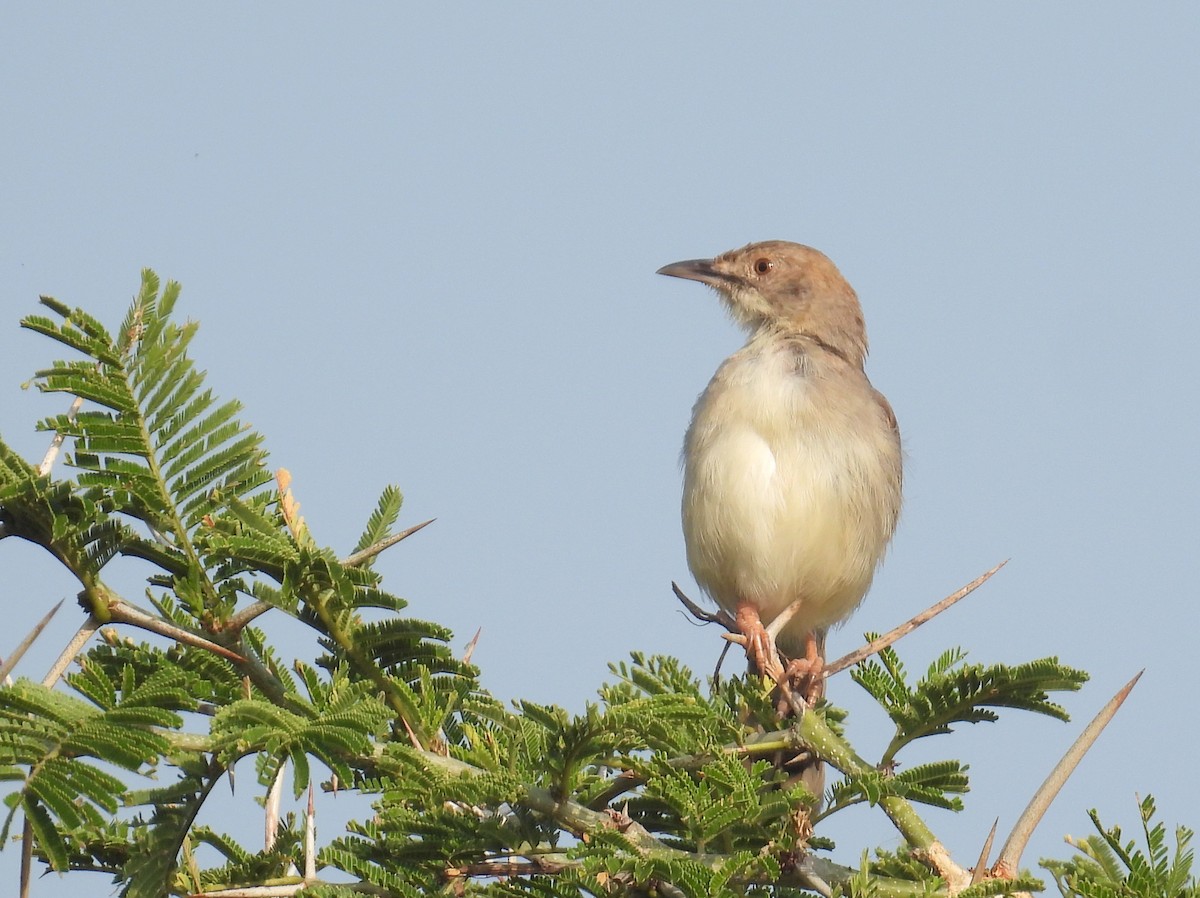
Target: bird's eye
762, 266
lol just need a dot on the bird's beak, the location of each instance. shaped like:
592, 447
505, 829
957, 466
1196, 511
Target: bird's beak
703, 270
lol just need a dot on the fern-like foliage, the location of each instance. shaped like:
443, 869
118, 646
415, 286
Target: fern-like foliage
72, 526
665, 785
1107, 866
46, 735
167, 473
159, 448
953, 692
340, 721
382, 520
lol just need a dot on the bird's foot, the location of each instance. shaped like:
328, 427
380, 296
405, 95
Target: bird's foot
760, 647
805, 675
806, 680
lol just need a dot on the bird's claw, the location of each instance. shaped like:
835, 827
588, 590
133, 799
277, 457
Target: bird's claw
804, 677
760, 647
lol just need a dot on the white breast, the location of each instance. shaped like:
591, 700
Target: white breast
791, 484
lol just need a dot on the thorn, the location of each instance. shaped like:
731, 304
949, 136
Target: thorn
412, 737
981, 865
371, 551
878, 645
56, 444
271, 811
466, 658
7, 667
1010, 855
71, 650
310, 839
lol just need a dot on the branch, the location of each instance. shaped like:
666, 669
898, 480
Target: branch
286, 889
114, 608
407, 712
122, 612
720, 616
535, 864
814, 733
811, 870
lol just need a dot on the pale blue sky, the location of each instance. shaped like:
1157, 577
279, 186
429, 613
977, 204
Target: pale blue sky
422, 240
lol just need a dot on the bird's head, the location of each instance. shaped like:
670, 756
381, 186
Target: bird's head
788, 286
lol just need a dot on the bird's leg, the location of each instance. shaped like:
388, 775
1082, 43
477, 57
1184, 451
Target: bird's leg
763, 655
760, 646
805, 673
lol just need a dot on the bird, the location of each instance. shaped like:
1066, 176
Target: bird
792, 463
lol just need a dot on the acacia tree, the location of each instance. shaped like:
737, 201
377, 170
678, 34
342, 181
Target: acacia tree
666, 785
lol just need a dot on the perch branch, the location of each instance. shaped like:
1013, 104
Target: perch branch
720, 616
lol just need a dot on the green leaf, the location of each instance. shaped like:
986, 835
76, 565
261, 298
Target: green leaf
1107, 866
952, 692
383, 518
